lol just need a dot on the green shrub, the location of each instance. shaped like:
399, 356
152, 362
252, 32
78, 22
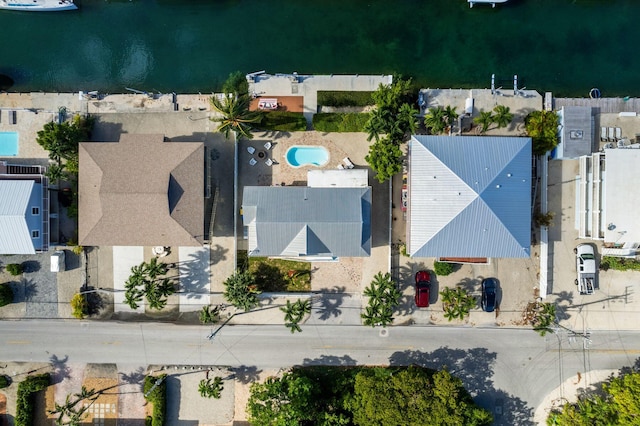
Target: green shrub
79, 306
443, 268
340, 122
25, 397
283, 121
6, 294
4, 381
344, 99
14, 268
619, 264
157, 396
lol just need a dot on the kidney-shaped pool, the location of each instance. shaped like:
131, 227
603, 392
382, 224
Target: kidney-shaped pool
298, 156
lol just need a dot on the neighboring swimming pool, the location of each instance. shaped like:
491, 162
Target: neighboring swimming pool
298, 156
8, 144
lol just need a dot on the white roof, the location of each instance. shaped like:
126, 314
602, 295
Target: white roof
347, 178
621, 195
14, 201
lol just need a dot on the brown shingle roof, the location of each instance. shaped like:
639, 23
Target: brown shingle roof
141, 191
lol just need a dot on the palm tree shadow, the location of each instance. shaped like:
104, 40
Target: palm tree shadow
61, 370
247, 374
330, 302
330, 360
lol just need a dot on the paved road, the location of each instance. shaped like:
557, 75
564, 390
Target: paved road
509, 370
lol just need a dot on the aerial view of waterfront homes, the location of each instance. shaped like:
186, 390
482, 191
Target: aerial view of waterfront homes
312, 249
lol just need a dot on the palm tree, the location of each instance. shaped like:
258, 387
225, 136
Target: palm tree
294, 312
484, 120
435, 120
378, 123
236, 116
503, 116
450, 116
407, 120
154, 268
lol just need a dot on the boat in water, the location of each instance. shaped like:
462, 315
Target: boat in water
491, 2
38, 5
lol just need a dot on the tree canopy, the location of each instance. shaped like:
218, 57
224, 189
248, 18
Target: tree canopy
617, 404
148, 280
542, 127
385, 157
363, 396
383, 298
241, 290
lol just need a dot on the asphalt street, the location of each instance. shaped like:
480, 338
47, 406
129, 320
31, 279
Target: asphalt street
511, 369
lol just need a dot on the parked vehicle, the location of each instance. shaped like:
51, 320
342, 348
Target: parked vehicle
423, 287
58, 261
488, 300
585, 268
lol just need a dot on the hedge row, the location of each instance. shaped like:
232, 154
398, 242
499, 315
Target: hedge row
619, 264
26, 397
283, 121
157, 397
340, 122
344, 99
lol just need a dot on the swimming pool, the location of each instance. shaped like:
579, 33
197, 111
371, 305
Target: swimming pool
8, 144
298, 156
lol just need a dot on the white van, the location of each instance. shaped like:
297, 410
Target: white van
57, 261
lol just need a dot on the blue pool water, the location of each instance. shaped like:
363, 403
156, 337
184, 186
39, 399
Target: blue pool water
8, 144
298, 156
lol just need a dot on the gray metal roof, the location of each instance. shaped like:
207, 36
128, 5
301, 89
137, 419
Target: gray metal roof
302, 221
577, 138
469, 196
15, 237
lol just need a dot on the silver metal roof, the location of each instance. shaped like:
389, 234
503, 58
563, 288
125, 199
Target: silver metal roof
15, 237
577, 137
469, 196
302, 221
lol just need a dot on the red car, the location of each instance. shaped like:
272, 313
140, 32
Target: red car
423, 285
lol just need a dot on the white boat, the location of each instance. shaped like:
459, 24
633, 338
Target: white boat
491, 2
38, 5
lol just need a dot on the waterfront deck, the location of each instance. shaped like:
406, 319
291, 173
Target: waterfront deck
601, 105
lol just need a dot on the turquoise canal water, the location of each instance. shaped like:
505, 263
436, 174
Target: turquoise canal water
566, 46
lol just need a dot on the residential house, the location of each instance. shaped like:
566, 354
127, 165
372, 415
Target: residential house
141, 191
318, 223
24, 209
469, 197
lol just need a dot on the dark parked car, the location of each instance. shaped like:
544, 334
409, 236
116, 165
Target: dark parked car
488, 301
423, 285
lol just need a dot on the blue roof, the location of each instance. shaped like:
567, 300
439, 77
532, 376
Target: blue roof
469, 196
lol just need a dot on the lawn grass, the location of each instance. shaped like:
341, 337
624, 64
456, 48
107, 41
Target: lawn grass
272, 275
344, 98
340, 122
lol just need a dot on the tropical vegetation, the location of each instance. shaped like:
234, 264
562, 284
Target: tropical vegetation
6, 294
235, 115
340, 122
155, 392
211, 388
14, 268
344, 98
25, 398
79, 306
616, 402
484, 120
62, 141
241, 291
619, 264
294, 313
541, 316
457, 303
383, 296
68, 414
439, 119
443, 268
390, 124
149, 280
542, 127
363, 396
210, 314
282, 121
